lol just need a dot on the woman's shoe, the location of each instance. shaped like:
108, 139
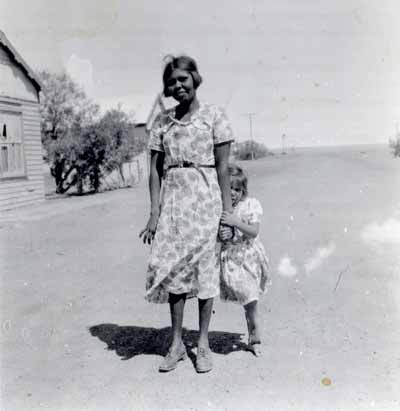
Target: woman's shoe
204, 360
170, 361
255, 347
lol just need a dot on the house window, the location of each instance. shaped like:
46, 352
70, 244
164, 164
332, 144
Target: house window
12, 162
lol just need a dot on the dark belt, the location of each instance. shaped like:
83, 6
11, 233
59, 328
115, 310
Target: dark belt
187, 164
191, 164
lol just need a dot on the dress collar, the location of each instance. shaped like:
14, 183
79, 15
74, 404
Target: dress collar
193, 117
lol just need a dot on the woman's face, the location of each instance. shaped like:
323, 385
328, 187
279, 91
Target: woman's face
180, 85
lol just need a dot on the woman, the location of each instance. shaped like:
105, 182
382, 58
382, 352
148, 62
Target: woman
190, 147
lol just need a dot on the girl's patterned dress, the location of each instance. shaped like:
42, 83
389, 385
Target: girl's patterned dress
244, 264
183, 255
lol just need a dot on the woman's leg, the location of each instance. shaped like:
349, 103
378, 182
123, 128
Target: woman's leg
204, 360
177, 306
205, 309
177, 351
251, 312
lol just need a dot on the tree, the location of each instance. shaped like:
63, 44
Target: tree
81, 146
248, 150
116, 126
90, 150
394, 144
64, 109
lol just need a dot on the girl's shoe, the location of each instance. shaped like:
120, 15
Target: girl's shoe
255, 347
204, 360
170, 361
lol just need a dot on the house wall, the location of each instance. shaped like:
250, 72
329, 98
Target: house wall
18, 94
29, 189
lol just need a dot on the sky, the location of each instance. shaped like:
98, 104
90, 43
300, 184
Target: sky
317, 72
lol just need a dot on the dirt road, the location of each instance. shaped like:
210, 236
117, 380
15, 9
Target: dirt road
77, 334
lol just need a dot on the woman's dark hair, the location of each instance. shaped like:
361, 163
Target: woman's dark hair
237, 174
183, 63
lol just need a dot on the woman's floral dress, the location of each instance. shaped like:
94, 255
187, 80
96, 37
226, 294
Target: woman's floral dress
244, 264
183, 255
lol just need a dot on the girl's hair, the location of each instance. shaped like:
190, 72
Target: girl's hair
183, 63
237, 174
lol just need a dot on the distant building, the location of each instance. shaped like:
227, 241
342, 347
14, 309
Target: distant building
157, 108
141, 134
140, 131
21, 162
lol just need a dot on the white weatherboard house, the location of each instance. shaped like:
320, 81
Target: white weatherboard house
21, 161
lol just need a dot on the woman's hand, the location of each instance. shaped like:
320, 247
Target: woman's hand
228, 218
150, 230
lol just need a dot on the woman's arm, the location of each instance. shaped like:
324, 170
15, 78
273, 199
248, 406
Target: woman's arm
250, 230
221, 153
156, 173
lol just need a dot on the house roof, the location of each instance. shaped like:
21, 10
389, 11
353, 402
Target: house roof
20, 61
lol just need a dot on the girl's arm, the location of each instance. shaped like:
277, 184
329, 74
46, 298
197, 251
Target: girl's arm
250, 230
221, 153
156, 173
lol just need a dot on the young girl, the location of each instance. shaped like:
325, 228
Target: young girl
244, 264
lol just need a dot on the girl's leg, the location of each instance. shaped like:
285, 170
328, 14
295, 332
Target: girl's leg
251, 312
205, 309
177, 306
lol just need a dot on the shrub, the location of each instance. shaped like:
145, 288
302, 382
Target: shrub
395, 145
249, 150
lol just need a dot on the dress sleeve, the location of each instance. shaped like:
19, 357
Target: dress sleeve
222, 131
155, 139
254, 211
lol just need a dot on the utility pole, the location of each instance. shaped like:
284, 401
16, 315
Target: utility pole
250, 115
283, 144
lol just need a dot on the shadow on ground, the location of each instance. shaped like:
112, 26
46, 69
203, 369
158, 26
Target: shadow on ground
129, 341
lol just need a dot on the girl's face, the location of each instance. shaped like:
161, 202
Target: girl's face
181, 87
236, 192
